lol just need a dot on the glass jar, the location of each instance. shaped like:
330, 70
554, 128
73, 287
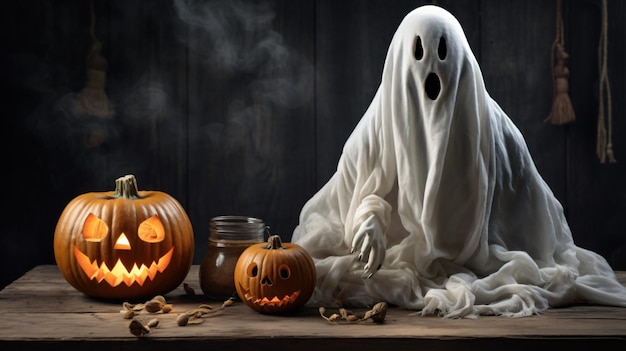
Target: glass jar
229, 236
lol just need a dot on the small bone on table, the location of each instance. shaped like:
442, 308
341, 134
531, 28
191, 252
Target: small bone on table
41, 311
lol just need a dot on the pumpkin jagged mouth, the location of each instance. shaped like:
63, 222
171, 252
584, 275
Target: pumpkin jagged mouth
275, 301
119, 274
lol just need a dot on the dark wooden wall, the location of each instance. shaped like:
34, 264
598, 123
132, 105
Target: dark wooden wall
243, 108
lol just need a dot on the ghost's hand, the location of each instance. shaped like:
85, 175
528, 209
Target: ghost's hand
369, 242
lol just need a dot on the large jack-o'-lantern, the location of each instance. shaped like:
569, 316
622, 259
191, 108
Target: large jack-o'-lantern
274, 277
124, 244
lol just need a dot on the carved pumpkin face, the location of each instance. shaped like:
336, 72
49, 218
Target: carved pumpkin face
124, 244
274, 277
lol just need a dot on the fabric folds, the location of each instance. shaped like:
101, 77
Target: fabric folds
436, 204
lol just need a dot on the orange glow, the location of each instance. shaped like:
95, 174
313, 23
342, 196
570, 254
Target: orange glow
151, 230
122, 243
119, 274
94, 229
275, 301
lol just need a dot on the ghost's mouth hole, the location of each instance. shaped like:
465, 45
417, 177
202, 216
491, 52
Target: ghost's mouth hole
432, 86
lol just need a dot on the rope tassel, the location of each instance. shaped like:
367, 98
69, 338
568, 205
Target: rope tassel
562, 111
92, 100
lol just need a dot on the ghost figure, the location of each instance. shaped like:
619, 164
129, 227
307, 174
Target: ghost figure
436, 204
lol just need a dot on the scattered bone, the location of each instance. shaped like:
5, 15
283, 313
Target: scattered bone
155, 305
377, 314
196, 315
188, 289
137, 328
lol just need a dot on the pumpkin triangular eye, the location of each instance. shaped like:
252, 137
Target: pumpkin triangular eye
151, 230
122, 243
94, 229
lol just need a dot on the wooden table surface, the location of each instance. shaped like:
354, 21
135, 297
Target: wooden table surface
42, 311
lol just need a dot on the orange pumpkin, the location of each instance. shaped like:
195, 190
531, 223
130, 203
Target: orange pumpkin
274, 277
124, 244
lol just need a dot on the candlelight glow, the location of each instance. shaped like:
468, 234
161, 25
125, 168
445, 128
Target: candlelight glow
122, 243
275, 301
94, 229
119, 273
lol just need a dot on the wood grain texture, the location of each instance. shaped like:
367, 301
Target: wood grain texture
243, 107
41, 310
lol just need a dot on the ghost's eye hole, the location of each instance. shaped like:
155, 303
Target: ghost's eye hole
443, 49
419, 49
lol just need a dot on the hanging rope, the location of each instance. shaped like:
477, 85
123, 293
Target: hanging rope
562, 111
92, 99
604, 146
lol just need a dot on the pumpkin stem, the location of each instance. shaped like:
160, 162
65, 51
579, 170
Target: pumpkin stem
126, 187
274, 243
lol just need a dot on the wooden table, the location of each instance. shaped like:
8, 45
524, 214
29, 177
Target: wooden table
42, 311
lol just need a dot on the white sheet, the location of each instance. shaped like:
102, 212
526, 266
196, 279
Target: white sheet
444, 193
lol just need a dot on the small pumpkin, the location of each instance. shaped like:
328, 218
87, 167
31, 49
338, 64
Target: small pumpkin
124, 244
274, 277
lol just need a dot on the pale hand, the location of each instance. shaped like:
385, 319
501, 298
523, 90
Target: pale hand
370, 243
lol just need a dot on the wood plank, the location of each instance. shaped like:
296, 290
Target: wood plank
46, 45
597, 192
516, 39
251, 117
63, 317
352, 39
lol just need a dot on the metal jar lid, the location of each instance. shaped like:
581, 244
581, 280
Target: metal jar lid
237, 228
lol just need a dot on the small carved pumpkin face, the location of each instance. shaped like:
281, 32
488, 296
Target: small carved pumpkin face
274, 277
124, 244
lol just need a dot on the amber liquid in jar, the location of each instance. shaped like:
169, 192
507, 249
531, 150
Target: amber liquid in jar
229, 236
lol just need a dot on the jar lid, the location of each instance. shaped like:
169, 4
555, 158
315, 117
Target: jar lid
237, 228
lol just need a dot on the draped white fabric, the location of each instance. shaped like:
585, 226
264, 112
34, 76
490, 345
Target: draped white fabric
437, 195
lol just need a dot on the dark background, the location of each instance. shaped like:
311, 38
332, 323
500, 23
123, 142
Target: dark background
242, 108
